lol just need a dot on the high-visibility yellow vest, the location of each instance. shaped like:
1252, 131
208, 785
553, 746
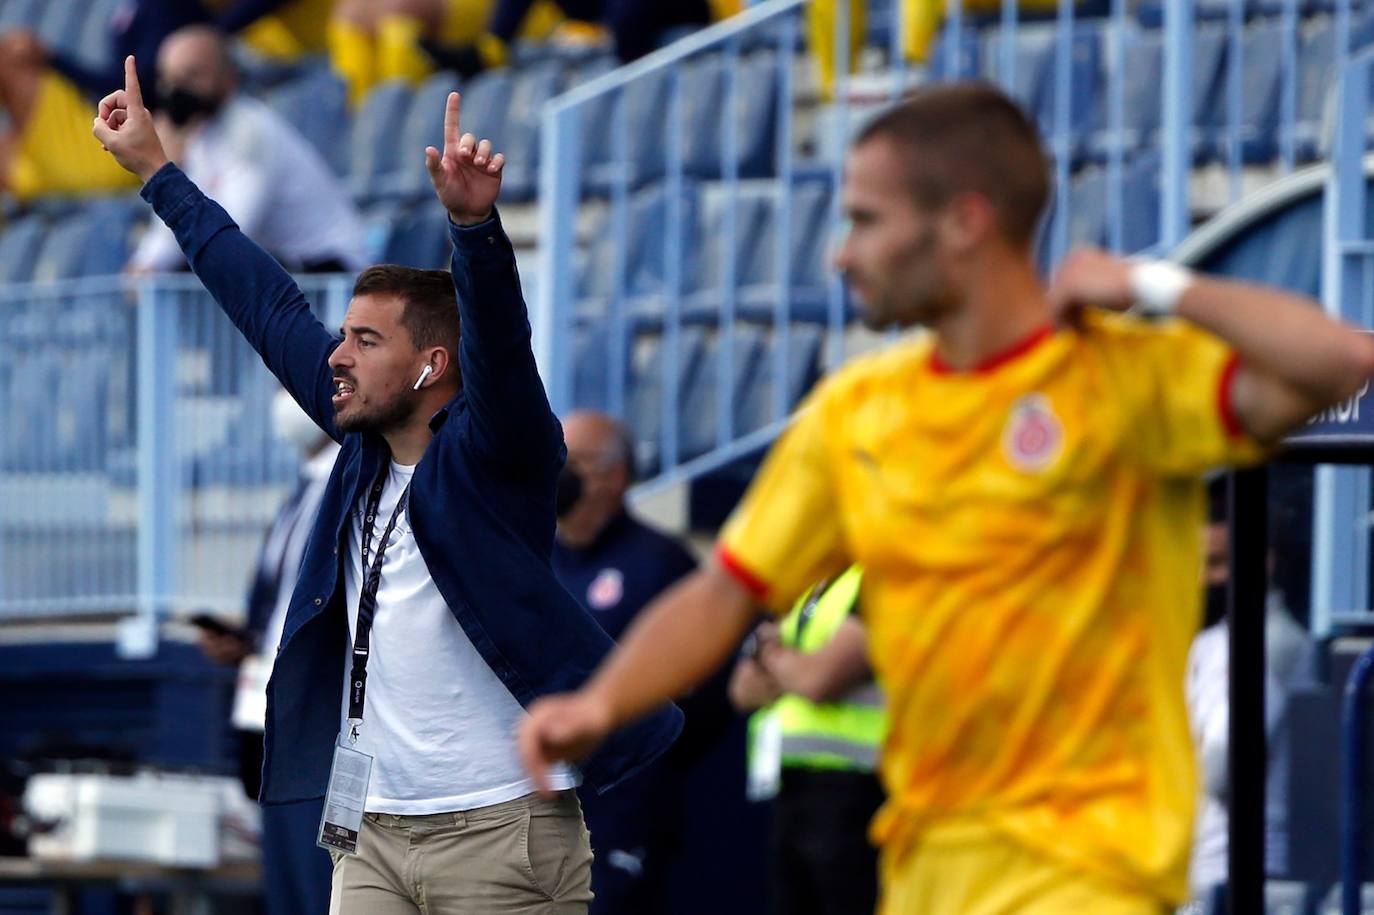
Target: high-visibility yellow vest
844, 734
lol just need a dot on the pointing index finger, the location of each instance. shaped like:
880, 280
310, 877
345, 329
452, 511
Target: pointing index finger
131, 87
452, 111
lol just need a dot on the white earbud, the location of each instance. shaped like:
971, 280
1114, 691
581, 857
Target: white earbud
424, 373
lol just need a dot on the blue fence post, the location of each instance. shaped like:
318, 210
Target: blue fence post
159, 464
1063, 127
1176, 136
675, 212
559, 186
1116, 126
786, 183
729, 241
618, 343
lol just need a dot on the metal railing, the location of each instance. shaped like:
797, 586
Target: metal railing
138, 470
686, 205
679, 253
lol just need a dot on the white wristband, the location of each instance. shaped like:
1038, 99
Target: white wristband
1158, 285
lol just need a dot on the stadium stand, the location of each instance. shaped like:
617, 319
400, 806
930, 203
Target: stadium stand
698, 303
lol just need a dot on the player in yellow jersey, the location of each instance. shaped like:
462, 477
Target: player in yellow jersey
1023, 487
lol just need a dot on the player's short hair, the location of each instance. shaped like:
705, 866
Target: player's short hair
970, 137
430, 312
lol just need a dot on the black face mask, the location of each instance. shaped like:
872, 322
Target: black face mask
1214, 607
569, 492
183, 106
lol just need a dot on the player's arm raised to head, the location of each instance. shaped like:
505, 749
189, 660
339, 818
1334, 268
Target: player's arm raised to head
255, 292
1294, 359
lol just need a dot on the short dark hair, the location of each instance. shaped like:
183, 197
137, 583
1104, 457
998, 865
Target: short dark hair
430, 305
971, 137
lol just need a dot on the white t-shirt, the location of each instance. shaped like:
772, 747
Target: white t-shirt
439, 724
272, 183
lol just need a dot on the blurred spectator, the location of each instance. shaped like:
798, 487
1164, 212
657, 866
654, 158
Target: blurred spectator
48, 94
268, 177
816, 738
276, 29
636, 26
614, 565
295, 872
920, 24
1289, 663
371, 41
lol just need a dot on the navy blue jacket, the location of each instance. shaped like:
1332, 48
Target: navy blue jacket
616, 575
481, 504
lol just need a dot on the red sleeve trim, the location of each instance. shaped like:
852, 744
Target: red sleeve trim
756, 586
1225, 409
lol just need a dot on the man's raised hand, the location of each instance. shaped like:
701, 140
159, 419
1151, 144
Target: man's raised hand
466, 176
124, 126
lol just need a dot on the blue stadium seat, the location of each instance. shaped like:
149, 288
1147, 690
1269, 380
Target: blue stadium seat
19, 245
1316, 79
533, 86
647, 102
379, 220
703, 86
1032, 53
60, 24
756, 402
702, 82
90, 242
316, 104
82, 397
1209, 63
1140, 202
30, 440
644, 414
808, 241
1088, 208
419, 238
1263, 77
373, 151
968, 61
1085, 79
1142, 64
697, 430
648, 236
1257, 129
422, 126
596, 122
93, 42
707, 257
486, 103
758, 114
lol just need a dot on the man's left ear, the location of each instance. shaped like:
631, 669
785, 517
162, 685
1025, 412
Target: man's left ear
967, 221
439, 365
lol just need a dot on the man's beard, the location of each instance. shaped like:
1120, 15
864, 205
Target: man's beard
380, 419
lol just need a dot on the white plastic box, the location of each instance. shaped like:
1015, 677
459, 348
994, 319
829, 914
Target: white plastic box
163, 819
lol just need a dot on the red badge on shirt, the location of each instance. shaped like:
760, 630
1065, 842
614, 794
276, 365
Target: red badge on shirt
1034, 435
606, 589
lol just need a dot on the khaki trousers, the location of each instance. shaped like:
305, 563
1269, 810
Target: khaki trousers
529, 856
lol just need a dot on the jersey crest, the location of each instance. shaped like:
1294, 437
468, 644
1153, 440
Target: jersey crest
1034, 435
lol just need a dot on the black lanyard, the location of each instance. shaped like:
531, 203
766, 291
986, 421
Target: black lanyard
367, 598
